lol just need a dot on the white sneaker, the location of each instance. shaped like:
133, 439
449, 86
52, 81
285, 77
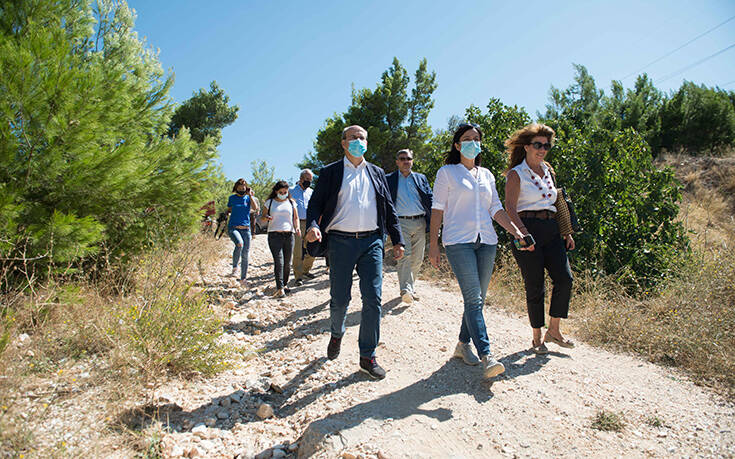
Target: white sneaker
491, 367
407, 297
279, 293
464, 351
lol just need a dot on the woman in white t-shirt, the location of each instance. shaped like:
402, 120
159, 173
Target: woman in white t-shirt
530, 194
466, 200
279, 210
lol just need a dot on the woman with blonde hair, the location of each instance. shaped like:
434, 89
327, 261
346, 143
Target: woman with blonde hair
530, 194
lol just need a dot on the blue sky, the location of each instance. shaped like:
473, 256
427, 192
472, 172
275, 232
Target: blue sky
290, 65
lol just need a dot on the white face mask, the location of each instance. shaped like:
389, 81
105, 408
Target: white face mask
282, 195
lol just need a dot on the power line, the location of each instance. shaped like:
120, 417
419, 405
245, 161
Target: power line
684, 69
728, 83
677, 49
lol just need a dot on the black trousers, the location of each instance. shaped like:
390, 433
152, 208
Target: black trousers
551, 254
281, 245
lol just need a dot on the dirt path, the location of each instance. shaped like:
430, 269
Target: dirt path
429, 405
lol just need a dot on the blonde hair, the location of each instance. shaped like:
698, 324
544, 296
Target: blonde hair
515, 145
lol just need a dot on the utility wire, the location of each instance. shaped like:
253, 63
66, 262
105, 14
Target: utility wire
684, 69
677, 49
728, 84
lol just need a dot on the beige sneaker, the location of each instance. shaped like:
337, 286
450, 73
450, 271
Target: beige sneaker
407, 297
491, 367
279, 293
464, 351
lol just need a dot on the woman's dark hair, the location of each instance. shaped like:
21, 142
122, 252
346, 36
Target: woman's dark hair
279, 184
515, 145
453, 157
240, 181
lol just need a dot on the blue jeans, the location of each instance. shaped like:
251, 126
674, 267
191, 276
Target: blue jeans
346, 253
241, 238
472, 263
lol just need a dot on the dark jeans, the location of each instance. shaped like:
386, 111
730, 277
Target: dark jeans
551, 254
346, 253
281, 245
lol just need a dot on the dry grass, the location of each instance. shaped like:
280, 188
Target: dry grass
114, 347
689, 322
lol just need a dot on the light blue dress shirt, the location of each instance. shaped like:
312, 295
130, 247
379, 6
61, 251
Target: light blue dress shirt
408, 201
301, 197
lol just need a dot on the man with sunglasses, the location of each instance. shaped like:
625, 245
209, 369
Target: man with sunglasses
412, 195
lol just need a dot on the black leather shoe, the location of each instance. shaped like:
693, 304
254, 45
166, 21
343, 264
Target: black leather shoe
370, 366
333, 347
309, 275
298, 283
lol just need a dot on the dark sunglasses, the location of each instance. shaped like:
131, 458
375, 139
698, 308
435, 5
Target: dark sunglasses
538, 145
405, 158
464, 125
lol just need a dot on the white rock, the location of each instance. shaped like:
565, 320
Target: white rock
22, 339
200, 430
207, 445
223, 414
210, 422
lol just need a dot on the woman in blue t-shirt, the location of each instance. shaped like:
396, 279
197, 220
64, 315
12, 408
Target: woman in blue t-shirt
238, 227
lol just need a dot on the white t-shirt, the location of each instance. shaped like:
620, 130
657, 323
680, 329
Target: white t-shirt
536, 193
468, 203
282, 213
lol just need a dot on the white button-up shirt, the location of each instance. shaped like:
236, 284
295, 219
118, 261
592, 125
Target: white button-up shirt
536, 193
468, 204
356, 209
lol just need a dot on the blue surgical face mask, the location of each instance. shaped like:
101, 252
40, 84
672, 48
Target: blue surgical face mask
282, 195
471, 148
357, 147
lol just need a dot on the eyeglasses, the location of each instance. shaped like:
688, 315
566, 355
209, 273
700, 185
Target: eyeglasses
405, 158
538, 145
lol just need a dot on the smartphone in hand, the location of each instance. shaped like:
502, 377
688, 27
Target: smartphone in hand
527, 241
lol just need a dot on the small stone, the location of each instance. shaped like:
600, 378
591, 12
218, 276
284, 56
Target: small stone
264, 455
207, 445
251, 315
200, 430
381, 455
22, 339
223, 414
210, 422
277, 388
293, 447
348, 456
265, 411
192, 452
278, 453
225, 402
443, 349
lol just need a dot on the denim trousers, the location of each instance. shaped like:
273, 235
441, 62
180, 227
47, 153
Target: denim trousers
241, 238
281, 245
472, 264
550, 253
365, 254
414, 235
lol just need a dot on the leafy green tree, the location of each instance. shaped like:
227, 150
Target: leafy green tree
206, 113
697, 119
394, 119
263, 178
84, 161
576, 106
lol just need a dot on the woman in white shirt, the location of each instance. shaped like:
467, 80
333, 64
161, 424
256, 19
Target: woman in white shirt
279, 210
530, 194
466, 200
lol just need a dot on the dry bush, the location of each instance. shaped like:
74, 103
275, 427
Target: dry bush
158, 325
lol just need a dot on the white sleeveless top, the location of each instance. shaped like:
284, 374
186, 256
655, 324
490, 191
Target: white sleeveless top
537, 193
282, 213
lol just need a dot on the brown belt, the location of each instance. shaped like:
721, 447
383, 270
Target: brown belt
542, 214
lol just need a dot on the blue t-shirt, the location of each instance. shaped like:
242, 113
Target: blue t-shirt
240, 210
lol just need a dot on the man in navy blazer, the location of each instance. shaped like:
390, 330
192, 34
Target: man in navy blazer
351, 207
412, 195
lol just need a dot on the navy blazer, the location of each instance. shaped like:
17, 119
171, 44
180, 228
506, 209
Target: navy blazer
422, 185
324, 200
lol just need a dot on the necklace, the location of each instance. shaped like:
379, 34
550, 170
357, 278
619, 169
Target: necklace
542, 182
